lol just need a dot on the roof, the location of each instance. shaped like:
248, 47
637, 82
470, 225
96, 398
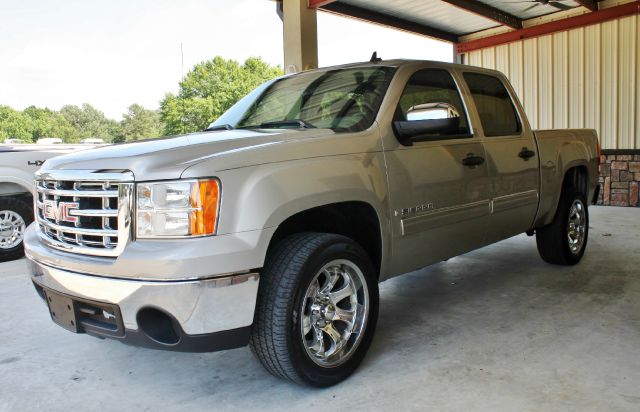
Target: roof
449, 19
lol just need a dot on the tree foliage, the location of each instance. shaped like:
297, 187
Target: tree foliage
89, 122
209, 89
15, 124
139, 123
47, 123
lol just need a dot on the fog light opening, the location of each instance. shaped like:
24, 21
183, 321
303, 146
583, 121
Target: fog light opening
158, 326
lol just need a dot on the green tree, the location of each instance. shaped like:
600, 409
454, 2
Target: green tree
139, 123
209, 89
88, 121
47, 123
15, 124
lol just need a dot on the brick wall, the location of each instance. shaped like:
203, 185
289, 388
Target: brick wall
619, 179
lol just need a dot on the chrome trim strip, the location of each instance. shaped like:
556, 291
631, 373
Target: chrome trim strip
94, 212
444, 216
79, 193
85, 175
514, 200
79, 230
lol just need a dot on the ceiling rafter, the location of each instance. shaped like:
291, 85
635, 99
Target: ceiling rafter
487, 11
590, 4
387, 20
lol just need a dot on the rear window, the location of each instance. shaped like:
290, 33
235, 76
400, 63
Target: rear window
494, 105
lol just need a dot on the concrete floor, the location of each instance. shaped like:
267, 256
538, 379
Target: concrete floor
495, 330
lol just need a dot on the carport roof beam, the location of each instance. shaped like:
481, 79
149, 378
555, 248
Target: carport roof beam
385, 20
589, 4
485, 10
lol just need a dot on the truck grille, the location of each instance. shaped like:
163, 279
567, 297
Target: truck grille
83, 211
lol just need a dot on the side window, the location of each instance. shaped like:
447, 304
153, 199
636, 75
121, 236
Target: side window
495, 108
431, 106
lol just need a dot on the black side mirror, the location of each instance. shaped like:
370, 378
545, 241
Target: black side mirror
424, 130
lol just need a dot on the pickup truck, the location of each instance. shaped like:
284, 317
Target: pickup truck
18, 162
274, 226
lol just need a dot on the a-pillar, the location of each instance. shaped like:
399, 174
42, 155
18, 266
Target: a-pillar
300, 36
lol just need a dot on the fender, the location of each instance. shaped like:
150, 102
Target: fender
16, 181
558, 156
263, 196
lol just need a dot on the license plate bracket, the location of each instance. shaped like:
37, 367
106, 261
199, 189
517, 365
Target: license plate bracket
62, 311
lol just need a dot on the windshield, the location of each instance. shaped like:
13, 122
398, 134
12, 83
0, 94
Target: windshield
342, 100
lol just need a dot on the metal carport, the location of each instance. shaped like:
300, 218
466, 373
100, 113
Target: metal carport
573, 63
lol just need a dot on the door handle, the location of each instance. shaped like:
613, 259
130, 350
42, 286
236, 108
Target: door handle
472, 160
526, 154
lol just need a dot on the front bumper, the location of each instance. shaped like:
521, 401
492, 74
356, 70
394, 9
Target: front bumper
192, 315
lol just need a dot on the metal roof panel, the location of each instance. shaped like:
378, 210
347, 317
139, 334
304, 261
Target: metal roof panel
432, 13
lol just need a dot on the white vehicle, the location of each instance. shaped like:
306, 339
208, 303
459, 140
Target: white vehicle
18, 163
92, 140
14, 141
49, 140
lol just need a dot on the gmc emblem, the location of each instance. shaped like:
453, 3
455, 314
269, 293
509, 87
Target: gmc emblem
60, 211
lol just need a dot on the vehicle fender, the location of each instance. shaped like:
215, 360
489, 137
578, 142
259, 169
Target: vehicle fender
264, 196
558, 154
15, 181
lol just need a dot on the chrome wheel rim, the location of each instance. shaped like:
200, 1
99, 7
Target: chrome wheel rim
12, 228
576, 226
334, 313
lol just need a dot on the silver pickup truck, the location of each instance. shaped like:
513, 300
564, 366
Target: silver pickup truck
274, 226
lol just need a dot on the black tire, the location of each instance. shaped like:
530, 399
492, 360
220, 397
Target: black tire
553, 240
277, 338
22, 207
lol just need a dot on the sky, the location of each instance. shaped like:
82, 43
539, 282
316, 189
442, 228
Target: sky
118, 52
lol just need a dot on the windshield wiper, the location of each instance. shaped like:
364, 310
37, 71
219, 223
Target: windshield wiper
218, 127
296, 123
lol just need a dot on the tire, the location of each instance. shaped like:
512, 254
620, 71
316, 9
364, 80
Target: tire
15, 215
563, 242
300, 292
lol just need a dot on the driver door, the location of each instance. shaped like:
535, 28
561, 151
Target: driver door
439, 199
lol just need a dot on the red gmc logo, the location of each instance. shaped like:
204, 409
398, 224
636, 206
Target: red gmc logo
60, 211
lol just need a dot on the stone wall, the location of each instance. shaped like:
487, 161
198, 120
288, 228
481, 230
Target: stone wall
619, 178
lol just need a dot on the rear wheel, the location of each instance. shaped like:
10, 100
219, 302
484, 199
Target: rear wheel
15, 215
316, 310
563, 242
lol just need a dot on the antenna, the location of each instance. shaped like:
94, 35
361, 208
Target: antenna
181, 61
375, 58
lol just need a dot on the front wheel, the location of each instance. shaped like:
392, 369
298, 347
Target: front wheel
317, 309
563, 242
15, 215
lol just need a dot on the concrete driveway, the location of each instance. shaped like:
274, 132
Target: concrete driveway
495, 330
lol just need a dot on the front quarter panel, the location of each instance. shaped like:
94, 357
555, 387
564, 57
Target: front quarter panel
264, 196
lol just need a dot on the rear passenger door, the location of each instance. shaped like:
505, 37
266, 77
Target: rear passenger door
512, 157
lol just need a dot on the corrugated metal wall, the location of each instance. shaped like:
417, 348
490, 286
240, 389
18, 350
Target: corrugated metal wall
585, 77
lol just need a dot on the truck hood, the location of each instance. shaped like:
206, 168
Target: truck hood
168, 158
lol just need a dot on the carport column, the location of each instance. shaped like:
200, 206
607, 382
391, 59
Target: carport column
300, 36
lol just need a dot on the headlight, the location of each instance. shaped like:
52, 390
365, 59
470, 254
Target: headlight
177, 209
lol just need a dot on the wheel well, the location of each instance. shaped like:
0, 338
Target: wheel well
355, 220
577, 177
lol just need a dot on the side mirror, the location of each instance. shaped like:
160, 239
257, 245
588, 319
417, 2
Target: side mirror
424, 130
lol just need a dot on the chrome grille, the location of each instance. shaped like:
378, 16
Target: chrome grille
83, 211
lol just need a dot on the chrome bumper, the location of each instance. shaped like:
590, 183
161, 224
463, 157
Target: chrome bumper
202, 306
